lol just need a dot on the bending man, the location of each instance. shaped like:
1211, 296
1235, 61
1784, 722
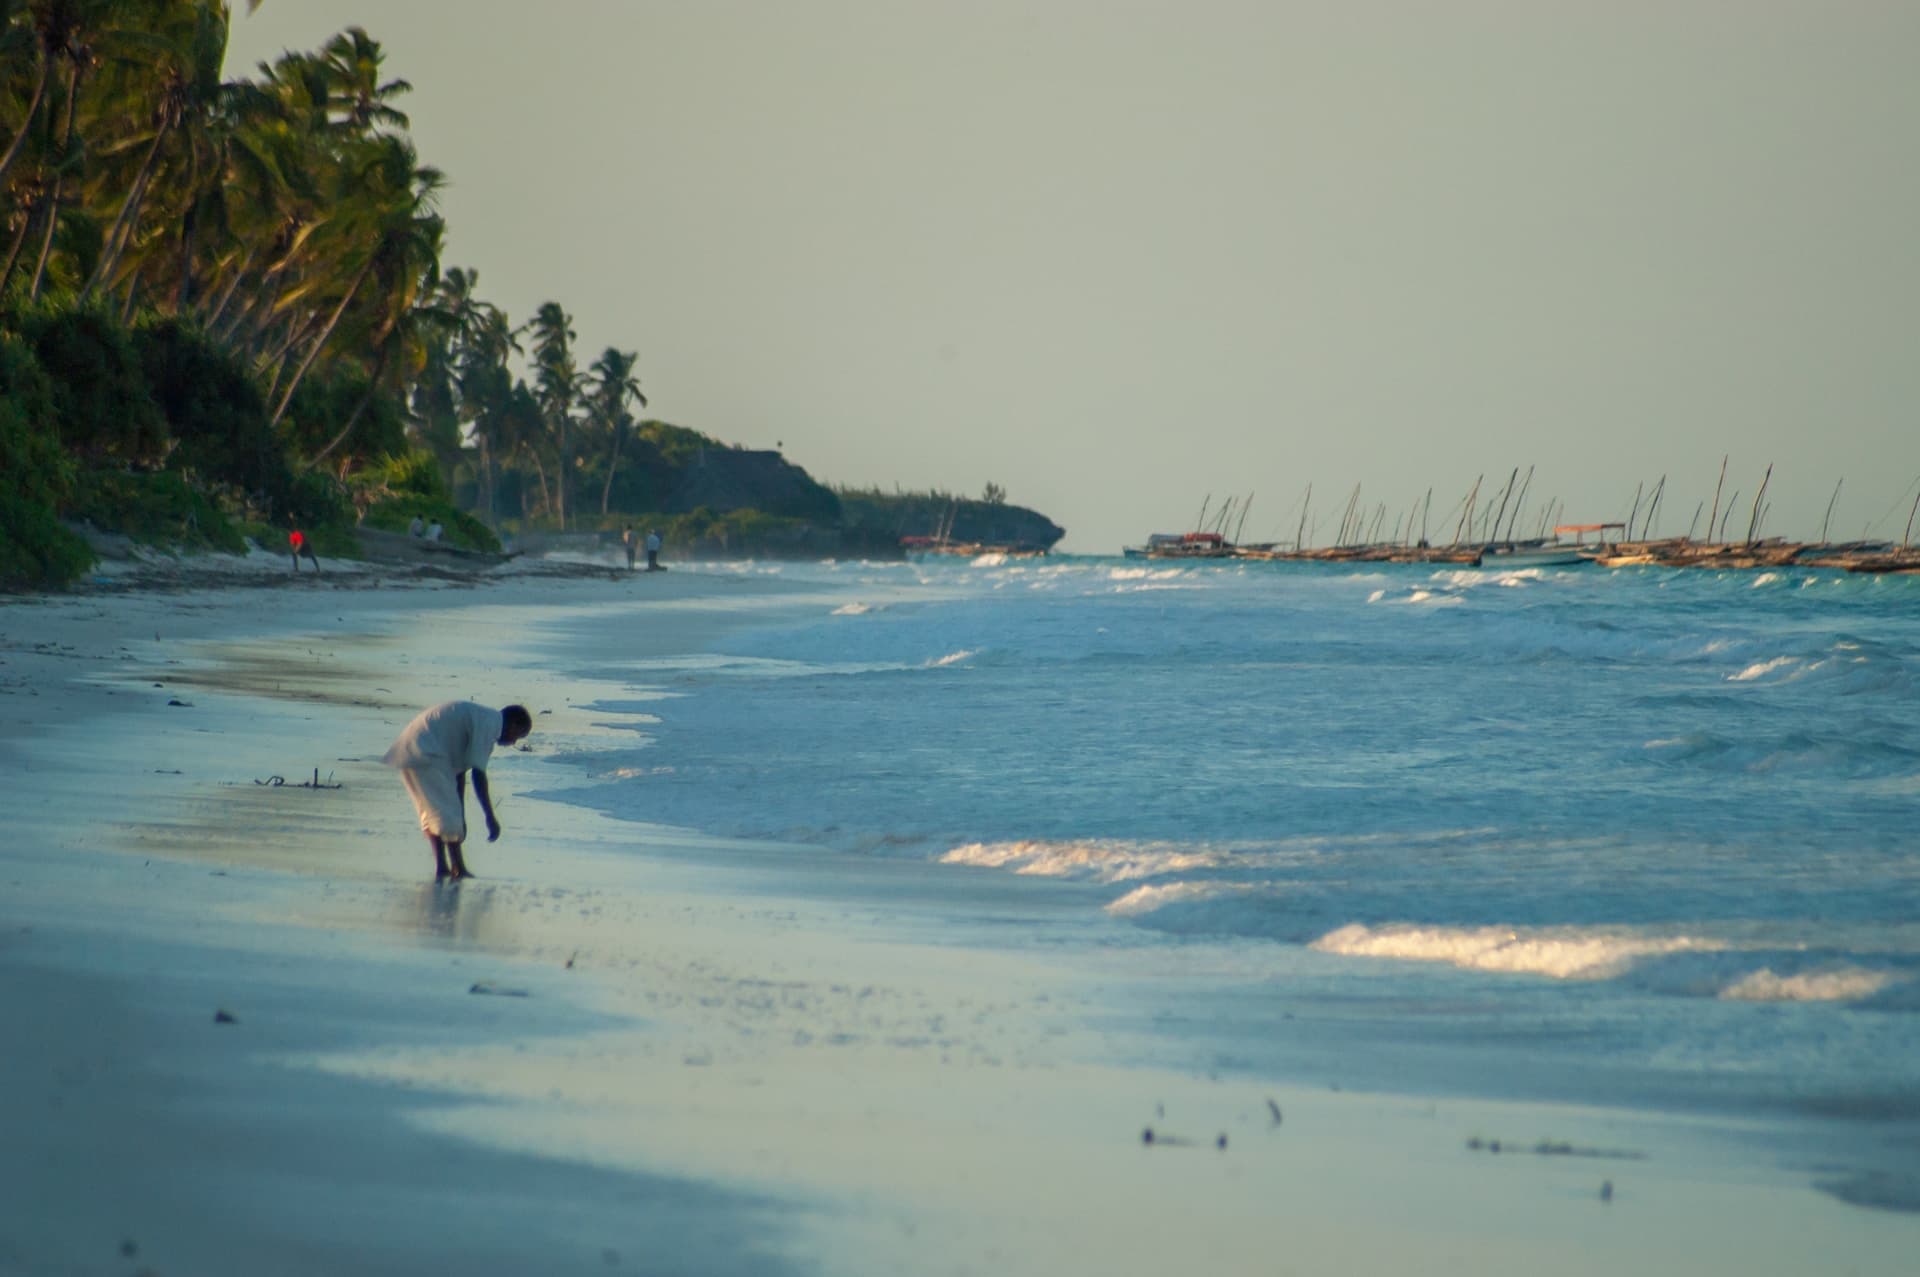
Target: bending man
435, 753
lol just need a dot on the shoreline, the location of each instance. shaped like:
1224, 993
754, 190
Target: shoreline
830, 1079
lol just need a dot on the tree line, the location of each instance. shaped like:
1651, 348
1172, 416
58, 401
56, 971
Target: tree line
239, 282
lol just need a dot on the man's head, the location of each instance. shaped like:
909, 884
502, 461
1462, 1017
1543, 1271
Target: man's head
515, 724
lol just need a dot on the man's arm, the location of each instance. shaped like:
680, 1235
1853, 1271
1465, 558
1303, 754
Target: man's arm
486, 804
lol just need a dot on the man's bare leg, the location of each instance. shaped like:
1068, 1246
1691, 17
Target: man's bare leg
440, 856
457, 865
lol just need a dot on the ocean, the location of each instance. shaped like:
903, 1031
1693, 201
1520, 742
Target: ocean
1640, 836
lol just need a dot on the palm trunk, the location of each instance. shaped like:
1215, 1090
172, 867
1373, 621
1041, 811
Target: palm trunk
220, 308
183, 297
359, 409
613, 463
546, 497
486, 479
121, 232
53, 202
314, 353
46, 242
13, 249
26, 122
562, 468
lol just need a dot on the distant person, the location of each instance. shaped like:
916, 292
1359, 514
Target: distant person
653, 550
434, 530
435, 753
631, 542
418, 527
302, 549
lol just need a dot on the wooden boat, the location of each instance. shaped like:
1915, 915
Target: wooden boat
1182, 545
1543, 554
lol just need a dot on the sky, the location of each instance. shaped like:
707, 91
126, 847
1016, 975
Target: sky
1125, 257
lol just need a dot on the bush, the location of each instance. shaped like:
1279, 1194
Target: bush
100, 397
36, 475
315, 500
324, 404
417, 474
458, 528
33, 466
35, 551
158, 508
214, 411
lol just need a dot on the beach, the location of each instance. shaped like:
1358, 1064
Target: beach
249, 1034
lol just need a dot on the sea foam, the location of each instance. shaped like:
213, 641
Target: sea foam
1093, 860
1564, 953
1840, 984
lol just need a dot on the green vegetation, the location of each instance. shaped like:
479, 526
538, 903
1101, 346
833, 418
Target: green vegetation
223, 306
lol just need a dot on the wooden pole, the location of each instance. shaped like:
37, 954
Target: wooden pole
1504, 494
1517, 503
1753, 523
1466, 511
1300, 537
1715, 512
1907, 539
1646, 524
1829, 517
1728, 515
1696, 520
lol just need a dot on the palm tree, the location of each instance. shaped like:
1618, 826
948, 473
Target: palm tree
486, 389
20, 41
612, 386
180, 77
64, 27
557, 385
384, 218
356, 100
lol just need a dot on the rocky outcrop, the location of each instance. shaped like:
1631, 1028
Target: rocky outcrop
937, 515
723, 479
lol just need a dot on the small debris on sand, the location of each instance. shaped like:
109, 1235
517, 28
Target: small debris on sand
494, 990
1273, 1111
225, 1017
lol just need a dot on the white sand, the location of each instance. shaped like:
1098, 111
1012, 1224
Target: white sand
727, 1059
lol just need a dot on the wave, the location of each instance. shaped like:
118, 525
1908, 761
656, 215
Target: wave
1144, 574
1861, 753
1677, 965
1417, 597
1760, 669
952, 658
1564, 953
854, 609
1843, 984
1093, 860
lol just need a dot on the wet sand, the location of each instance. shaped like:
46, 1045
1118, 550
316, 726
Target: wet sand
628, 1048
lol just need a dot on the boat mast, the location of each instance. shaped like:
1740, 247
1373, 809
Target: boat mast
1714, 513
1753, 523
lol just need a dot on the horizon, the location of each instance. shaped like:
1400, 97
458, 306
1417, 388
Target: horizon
1121, 259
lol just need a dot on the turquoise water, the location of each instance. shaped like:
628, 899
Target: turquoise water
1640, 835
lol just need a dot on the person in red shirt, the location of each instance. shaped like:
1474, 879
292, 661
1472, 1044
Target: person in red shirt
298, 540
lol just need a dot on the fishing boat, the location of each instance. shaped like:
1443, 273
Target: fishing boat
1542, 554
1182, 545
